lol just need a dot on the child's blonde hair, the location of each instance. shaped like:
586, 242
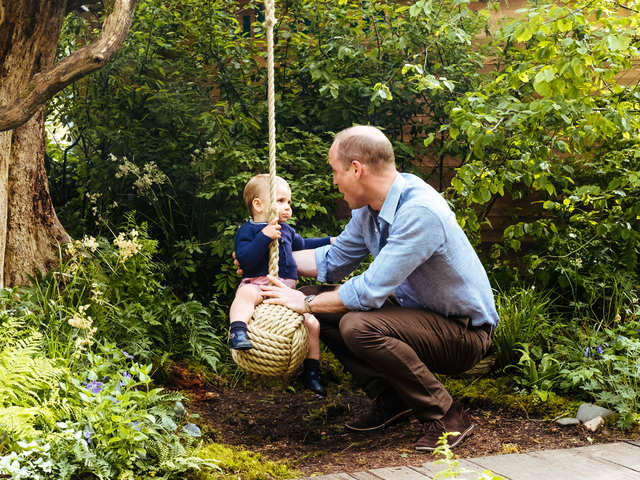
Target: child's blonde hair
258, 187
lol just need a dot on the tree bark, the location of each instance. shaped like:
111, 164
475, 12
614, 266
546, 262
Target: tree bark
30, 232
44, 84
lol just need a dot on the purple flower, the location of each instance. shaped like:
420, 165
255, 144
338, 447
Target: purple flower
127, 355
87, 433
126, 375
587, 351
136, 425
599, 349
118, 391
94, 386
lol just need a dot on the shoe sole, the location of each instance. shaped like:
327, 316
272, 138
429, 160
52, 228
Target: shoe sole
240, 347
457, 438
395, 418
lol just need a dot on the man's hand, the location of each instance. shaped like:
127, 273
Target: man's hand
272, 230
239, 271
280, 294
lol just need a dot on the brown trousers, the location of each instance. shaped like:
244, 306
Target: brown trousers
400, 348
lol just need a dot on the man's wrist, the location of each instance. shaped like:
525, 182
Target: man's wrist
307, 303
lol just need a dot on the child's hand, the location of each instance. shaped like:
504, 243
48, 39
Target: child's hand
272, 230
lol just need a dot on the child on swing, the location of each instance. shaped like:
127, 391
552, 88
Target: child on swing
252, 251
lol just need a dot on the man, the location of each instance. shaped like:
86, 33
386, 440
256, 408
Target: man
423, 305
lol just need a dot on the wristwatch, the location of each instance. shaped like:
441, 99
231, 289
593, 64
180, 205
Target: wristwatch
307, 303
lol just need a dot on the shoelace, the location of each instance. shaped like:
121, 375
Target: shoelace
435, 427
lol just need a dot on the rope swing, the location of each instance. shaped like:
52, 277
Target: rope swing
279, 339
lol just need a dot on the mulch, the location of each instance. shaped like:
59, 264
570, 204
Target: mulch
288, 423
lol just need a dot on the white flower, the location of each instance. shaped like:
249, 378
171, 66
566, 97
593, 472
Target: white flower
90, 243
127, 247
80, 321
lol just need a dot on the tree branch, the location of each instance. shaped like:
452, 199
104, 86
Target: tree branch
47, 83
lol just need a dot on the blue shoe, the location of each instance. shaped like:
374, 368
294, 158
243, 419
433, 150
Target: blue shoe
238, 340
311, 380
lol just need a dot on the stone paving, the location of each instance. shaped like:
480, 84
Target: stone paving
609, 461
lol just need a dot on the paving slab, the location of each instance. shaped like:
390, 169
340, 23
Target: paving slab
579, 465
334, 476
621, 453
467, 469
613, 461
398, 473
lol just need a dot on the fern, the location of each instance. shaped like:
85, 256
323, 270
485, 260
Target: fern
203, 342
18, 422
25, 375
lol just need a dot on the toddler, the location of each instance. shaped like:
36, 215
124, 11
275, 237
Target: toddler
252, 251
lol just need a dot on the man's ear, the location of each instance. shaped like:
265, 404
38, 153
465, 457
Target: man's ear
357, 167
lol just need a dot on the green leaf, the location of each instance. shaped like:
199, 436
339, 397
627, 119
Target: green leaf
427, 141
524, 33
618, 43
564, 24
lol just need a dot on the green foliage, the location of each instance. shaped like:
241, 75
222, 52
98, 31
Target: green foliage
502, 392
452, 468
523, 316
114, 290
618, 385
243, 464
97, 417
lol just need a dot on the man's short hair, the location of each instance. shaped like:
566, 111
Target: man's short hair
365, 144
258, 187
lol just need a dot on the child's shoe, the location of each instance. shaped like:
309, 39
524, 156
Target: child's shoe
238, 339
311, 377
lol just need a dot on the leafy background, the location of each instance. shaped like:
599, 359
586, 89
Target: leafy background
527, 121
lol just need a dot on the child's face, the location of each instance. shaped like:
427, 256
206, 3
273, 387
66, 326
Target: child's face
283, 201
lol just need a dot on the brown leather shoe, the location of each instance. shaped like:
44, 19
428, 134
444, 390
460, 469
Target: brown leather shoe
454, 421
386, 409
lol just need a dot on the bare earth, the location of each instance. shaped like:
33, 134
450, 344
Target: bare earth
308, 432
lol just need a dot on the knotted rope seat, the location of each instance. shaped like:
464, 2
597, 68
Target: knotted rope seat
279, 339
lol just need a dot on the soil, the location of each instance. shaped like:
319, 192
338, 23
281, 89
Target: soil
291, 424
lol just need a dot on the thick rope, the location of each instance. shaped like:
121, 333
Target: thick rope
279, 337
269, 22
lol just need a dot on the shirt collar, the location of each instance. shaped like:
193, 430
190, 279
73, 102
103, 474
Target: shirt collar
390, 205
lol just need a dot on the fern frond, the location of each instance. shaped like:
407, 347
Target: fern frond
203, 342
18, 422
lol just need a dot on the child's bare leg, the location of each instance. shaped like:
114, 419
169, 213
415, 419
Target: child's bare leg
247, 297
245, 301
313, 327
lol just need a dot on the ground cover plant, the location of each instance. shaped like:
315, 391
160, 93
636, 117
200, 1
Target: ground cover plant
159, 143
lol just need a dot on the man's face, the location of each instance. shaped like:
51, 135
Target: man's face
346, 180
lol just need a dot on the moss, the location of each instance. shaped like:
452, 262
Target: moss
242, 464
499, 392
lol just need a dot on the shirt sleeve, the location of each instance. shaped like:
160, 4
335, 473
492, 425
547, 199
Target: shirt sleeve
415, 234
338, 259
300, 243
251, 248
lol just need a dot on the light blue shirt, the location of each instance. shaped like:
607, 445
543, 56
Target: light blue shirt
421, 257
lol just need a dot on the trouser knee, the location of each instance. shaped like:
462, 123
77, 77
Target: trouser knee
356, 331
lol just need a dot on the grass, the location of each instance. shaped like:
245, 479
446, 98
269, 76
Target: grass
499, 392
242, 464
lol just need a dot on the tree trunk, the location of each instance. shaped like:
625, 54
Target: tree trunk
30, 232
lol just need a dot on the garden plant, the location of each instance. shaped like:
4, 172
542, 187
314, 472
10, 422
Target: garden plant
532, 120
